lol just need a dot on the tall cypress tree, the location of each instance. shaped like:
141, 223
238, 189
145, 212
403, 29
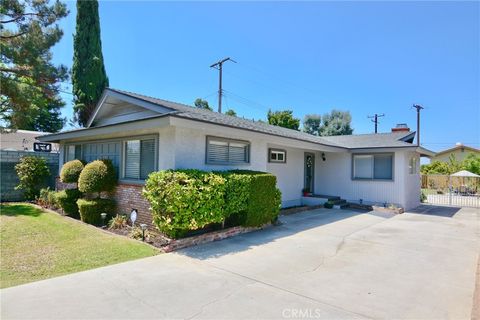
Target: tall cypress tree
88, 74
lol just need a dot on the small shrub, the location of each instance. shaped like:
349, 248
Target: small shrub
423, 197
48, 198
90, 210
67, 200
186, 200
32, 173
328, 205
118, 222
71, 171
97, 176
263, 198
137, 233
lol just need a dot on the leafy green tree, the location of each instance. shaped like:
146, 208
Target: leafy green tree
202, 104
32, 173
30, 82
436, 167
336, 123
472, 163
231, 112
311, 124
88, 73
283, 119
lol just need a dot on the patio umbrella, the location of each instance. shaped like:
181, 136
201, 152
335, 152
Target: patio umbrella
464, 173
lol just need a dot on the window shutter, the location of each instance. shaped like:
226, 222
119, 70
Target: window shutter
237, 152
217, 151
147, 156
132, 159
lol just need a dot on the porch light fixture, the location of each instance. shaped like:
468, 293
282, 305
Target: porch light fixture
323, 156
104, 216
133, 216
144, 227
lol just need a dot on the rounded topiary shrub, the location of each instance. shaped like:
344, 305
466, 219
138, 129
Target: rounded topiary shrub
71, 171
90, 210
97, 176
67, 199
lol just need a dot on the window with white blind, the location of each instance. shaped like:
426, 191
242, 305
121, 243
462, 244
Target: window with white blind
226, 151
139, 158
373, 166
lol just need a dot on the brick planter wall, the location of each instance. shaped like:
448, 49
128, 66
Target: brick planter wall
208, 237
127, 197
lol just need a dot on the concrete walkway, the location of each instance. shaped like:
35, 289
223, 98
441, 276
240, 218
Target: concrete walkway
318, 264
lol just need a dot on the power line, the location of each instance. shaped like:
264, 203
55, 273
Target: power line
419, 108
375, 120
219, 66
247, 101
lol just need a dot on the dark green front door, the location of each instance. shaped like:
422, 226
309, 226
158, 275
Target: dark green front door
309, 181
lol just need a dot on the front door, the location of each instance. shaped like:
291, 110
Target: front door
309, 181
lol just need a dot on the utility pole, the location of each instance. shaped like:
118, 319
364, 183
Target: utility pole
375, 120
218, 65
418, 107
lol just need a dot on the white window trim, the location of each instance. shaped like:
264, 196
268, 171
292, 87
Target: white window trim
277, 151
123, 152
392, 154
230, 163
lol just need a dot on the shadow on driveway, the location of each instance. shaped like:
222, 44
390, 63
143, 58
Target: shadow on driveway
440, 211
290, 225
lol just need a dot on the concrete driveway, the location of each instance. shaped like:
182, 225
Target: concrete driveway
318, 264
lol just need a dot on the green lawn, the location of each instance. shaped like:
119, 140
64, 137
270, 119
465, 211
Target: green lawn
35, 245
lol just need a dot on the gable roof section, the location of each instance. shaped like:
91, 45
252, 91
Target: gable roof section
458, 148
173, 109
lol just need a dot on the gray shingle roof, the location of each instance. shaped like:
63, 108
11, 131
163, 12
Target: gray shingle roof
375, 140
381, 140
391, 139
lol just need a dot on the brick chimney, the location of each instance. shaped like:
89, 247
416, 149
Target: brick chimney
401, 127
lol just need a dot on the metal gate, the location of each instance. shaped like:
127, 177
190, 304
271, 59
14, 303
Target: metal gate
451, 191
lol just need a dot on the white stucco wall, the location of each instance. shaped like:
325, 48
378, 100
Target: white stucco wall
290, 175
190, 147
334, 177
412, 183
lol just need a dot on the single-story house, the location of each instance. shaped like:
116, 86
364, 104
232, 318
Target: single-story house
460, 152
141, 134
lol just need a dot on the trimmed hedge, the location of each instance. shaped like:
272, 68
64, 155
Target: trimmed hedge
71, 171
67, 199
97, 176
90, 210
187, 200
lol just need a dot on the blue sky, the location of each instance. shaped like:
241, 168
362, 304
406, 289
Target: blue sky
365, 57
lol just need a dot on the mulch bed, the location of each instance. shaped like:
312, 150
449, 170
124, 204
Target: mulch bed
157, 239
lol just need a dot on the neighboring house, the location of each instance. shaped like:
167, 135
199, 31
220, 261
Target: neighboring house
460, 152
21, 140
141, 134
15, 144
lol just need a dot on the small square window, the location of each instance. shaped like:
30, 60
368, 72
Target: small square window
277, 155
